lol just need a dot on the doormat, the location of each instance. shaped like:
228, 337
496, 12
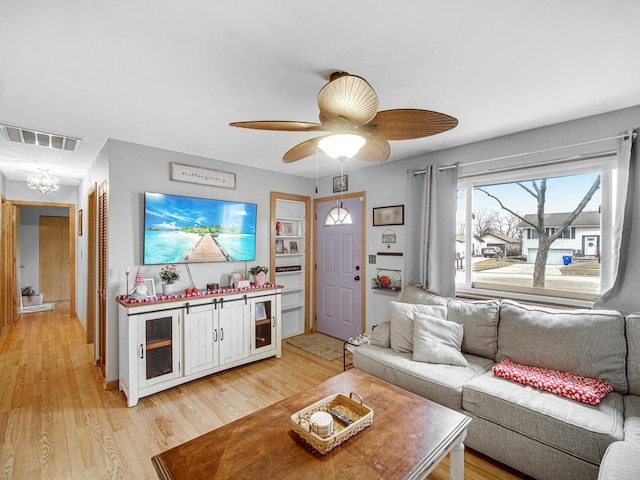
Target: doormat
37, 308
319, 344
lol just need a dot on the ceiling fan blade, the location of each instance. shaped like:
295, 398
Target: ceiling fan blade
281, 125
374, 150
302, 150
348, 97
408, 123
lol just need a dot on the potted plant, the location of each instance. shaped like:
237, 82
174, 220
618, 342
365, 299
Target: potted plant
259, 274
169, 275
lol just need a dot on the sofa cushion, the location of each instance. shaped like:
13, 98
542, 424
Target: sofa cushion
575, 387
437, 382
621, 461
633, 356
590, 343
632, 418
576, 428
412, 294
401, 318
437, 341
381, 335
480, 320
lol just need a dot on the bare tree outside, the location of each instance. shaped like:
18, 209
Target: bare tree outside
538, 190
484, 221
508, 225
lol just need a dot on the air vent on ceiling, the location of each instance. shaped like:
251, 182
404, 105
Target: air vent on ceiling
42, 139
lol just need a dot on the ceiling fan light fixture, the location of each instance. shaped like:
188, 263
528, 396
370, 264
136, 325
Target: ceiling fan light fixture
342, 146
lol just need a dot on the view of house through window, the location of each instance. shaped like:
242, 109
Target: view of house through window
534, 236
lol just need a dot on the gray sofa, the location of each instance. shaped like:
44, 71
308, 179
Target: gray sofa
538, 433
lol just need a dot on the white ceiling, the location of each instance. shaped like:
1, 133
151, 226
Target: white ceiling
173, 74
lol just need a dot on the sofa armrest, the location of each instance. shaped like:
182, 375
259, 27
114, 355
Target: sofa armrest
621, 461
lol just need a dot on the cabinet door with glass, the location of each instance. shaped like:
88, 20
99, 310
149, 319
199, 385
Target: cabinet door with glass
159, 347
263, 324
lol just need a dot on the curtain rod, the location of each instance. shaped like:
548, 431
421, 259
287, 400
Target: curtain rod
524, 154
557, 161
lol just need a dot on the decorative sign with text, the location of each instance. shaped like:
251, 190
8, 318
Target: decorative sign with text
202, 176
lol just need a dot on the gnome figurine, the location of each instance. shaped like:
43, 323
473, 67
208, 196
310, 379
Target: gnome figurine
140, 290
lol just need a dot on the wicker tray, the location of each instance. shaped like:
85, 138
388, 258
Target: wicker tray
357, 411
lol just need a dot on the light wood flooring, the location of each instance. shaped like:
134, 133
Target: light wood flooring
58, 422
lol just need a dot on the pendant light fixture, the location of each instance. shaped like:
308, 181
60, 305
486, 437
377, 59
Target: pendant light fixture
43, 182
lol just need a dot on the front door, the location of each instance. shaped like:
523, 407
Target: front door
591, 245
339, 267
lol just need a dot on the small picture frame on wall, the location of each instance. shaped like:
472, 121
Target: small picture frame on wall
393, 215
340, 183
80, 218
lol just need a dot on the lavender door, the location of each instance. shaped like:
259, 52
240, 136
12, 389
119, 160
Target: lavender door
339, 270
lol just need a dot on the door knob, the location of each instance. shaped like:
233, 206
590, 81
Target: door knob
356, 278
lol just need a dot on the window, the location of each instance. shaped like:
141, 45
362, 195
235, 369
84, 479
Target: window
337, 216
558, 256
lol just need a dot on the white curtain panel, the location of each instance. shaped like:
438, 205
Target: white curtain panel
625, 265
431, 229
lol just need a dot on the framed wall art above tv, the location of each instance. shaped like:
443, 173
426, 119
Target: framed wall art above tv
181, 229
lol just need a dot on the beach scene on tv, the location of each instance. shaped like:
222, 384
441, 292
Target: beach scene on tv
179, 229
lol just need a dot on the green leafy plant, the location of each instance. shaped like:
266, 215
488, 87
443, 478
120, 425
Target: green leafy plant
169, 274
257, 269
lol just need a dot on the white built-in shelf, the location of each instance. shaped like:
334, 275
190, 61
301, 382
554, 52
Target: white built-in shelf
292, 290
287, 308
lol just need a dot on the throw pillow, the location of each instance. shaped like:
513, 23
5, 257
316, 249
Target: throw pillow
437, 341
381, 335
401, 318
583, 389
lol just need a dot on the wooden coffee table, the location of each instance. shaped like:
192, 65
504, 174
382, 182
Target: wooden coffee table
409, 436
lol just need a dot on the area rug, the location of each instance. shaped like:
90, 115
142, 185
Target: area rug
319, 344
44, 307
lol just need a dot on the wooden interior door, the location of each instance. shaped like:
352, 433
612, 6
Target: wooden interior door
54, 258
92, 290
8, 293
103, 205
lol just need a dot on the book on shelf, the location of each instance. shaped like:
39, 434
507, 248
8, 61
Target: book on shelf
289, 268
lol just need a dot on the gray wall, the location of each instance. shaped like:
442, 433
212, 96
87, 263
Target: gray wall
385, 184
134, 169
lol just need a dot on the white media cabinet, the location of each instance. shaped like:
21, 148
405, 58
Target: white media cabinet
169, 342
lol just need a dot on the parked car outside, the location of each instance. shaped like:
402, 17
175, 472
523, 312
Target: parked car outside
492, 252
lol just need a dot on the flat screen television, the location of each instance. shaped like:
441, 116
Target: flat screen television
179, 229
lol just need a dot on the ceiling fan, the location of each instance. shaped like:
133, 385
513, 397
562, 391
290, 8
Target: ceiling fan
349, 115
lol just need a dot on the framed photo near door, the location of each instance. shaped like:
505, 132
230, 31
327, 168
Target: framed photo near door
340, 184
393, 215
